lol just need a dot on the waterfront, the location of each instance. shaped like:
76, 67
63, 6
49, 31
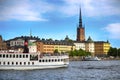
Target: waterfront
77, 70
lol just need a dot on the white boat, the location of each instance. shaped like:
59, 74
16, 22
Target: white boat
90, 58
28, 61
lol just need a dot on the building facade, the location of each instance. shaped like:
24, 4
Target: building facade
3, 45
51, 46
101, 48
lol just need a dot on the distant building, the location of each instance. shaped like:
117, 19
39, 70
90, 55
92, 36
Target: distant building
89, 46
3, 45
101, 48
32, 46
17, 43
51, 46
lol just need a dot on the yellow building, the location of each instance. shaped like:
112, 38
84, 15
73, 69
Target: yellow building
101, 48
51, 46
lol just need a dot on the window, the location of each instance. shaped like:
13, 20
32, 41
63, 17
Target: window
26, 56
52, 60
43, 60
17, 56
28, 63
14, 56
20, 63
0, 63
23, 56
24, 63
32, 63
7, 56
39, 60
16, 63
8, 63
3, 55
4, 63
0, 55
20, 56
12, 63
10, 55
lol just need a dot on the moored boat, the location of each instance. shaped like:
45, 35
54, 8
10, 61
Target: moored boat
23, 61
90, 58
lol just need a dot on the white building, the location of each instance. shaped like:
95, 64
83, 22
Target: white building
79, 45
90, 45
17, 42
32, 46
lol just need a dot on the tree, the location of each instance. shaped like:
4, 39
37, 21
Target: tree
114, 52
56, 51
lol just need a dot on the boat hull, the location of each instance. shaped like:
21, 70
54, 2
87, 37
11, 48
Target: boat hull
31, 67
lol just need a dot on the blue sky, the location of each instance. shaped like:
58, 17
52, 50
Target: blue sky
58, 18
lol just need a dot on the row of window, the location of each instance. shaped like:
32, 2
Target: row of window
51, 60
16, 63
13, 56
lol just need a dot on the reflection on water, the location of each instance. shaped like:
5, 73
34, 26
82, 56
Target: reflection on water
77, 70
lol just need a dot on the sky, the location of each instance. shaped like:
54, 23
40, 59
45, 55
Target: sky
57, 18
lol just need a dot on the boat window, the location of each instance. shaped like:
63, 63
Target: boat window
61, 59
8, 63
28, 63
16, 63
4, 63
43, 60
17, 56
7, 56
52, 60
26, 56
23, 56
20, 63
12, 63
14, 56
24, 63
32, 63
0, 55
20, 56
55, 60
46, 60
49, 60
58, 60
3, 55
10, 55
39, 60
0, 63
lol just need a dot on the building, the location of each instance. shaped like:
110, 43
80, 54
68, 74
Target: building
101, 48
3, 45
80, 30
79, 45
89, 46
17, 43
32, 46
51, 46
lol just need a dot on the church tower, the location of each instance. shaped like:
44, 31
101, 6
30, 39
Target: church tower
80, 29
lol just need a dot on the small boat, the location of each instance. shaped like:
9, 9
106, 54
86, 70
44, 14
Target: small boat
90, 58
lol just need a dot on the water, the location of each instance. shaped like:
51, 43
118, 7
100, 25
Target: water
77, 70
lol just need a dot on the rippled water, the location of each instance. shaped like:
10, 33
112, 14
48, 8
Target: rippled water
77, 70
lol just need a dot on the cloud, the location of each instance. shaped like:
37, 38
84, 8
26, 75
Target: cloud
114, 30
24, 10
91, 8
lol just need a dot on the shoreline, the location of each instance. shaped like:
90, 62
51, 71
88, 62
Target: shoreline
79, 58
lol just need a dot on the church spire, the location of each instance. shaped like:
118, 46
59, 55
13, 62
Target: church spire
80, 18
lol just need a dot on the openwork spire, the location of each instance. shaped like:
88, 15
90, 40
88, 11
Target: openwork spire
80, 18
